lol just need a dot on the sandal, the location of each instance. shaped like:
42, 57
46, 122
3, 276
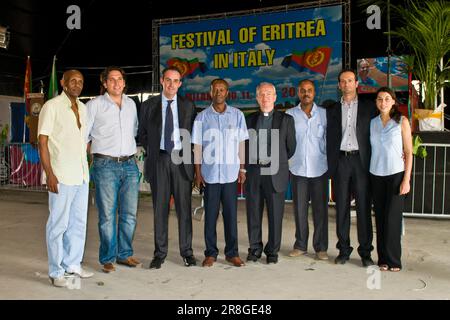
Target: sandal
383, 267
394, 269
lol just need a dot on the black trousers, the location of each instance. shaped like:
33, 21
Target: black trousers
225, 194
315, 189
259, 189
351, 177
171, 180
388, 206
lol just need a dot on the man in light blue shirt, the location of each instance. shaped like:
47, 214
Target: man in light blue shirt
111, 128
219, 136
308, 167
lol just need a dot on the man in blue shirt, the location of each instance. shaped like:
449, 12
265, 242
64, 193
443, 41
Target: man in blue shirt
308, 167
219, 136
112, 127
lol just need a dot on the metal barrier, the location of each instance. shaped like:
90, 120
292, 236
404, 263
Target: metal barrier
430, 184
20, 167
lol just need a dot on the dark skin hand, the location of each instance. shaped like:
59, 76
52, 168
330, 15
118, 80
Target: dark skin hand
52, 181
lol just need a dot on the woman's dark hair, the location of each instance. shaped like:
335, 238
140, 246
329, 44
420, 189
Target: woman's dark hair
395, 114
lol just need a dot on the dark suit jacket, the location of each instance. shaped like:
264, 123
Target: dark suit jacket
287, 145
150, 126
366, 111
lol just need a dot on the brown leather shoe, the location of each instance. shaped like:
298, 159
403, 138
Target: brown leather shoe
136, 261
236, 261
130, 262
208, 262
108, 267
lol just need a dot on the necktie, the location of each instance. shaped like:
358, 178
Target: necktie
168, 128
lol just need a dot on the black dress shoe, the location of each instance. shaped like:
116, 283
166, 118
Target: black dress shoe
366, 262
189, 261
253, 257
156, 263
341, 259
272, 259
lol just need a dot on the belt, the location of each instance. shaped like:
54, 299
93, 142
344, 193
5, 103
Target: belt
116, 159
349, 153
263, 163
169, 153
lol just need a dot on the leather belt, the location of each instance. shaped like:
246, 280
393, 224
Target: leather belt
349, 153
115, 159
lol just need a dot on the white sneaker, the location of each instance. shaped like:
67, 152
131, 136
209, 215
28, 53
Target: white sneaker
60, 282
83, 274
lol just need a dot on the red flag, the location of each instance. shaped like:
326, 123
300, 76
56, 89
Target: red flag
27, 88
315, 60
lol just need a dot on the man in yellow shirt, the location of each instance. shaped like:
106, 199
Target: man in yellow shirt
62, 147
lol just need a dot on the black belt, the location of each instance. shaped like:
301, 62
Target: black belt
349, 153
162, 151
264, 164
116, 159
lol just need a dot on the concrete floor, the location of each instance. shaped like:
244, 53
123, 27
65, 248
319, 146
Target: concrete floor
23, 215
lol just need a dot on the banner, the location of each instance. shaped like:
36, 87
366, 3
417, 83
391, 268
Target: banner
36, 101
372, 74
278, 47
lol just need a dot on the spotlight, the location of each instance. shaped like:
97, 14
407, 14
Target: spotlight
4, 37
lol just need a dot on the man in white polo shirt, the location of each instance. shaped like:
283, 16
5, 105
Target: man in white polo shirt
62, 147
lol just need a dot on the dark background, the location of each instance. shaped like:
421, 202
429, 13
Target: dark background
119, 34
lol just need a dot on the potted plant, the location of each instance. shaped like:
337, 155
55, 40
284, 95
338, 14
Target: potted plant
425, 31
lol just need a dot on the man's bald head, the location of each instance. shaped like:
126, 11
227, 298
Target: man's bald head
69, 73
72, 83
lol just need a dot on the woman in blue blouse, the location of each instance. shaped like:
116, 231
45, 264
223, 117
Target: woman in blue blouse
390, 172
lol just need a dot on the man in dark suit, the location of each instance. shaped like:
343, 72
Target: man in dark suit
164, 130
272, 143
348, 152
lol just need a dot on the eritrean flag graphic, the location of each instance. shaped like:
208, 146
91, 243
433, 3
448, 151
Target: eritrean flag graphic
315, 60
188, 68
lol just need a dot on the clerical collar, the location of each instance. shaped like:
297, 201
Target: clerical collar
267, 114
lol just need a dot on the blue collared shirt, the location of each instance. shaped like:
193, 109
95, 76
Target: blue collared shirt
112, 129
310, 157
176, 126
387, 147
219, 134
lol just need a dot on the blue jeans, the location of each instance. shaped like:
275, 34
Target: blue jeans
116, 189
66, 228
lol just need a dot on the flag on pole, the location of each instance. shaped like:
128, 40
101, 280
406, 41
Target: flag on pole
53, 85
315, 60
27, 88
